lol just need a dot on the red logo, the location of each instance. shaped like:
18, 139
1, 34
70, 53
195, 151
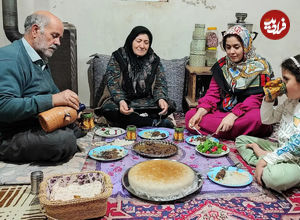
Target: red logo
275, 24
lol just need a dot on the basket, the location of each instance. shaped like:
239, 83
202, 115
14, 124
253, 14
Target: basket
57, 117
80, 208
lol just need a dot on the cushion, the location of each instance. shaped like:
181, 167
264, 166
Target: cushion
96, 71
175, 73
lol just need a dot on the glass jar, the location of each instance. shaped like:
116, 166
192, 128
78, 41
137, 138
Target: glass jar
211, 56
178, 134
87, 121
212, 37
131, 132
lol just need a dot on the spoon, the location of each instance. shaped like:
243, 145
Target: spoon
193, 127
207, 136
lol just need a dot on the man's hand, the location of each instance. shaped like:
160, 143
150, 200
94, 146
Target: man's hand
227, 123
164, 106
124, 108
259, 170
66, 98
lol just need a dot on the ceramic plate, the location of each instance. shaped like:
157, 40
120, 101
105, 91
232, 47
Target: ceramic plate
148, 134
214, 155
97, 152
196, 186
193, 139
109, 131
152, 145
234, 177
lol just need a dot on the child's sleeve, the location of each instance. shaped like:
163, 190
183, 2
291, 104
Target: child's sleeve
289, 152
270, 114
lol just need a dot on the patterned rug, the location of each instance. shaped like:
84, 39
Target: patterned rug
211, 202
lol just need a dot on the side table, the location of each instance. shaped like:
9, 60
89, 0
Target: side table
191, 83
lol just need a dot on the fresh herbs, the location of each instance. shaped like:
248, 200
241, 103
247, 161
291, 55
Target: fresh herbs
211, 147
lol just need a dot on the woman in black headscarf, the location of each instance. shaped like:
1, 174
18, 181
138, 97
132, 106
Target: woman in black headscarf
135, 79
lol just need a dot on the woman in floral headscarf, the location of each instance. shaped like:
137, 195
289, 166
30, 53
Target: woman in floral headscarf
231, 106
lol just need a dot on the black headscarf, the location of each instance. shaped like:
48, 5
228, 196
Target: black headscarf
135, 61
138, 71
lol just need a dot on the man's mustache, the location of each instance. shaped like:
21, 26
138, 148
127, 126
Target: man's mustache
53, 47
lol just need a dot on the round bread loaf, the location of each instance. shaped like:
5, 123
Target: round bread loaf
161, 178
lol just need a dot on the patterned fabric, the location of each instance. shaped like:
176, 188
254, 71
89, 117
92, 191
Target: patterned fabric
115, 81
288, 113
211, 202
250, 74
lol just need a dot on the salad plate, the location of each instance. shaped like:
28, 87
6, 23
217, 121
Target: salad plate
211, 148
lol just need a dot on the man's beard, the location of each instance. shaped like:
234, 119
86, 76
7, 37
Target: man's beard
42, 48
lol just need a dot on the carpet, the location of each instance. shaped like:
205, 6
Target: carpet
16, 203
211, 202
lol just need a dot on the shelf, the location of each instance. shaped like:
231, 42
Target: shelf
190, 103
199, 70
191, 83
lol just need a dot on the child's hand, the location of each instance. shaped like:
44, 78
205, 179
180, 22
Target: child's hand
259, 170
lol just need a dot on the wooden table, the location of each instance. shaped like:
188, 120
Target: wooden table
191, 76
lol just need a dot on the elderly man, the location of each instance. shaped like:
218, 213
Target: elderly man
26, 89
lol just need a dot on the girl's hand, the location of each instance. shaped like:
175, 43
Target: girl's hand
164, 106
124, 108
195, 120
259, 170
227, 123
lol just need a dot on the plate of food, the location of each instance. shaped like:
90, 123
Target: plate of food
109, 131
153, 134
155, 148
212, 148
108, 153
230, 176
198, 139
161, 180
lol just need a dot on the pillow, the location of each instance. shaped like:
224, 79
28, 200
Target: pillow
175, 73
96, 72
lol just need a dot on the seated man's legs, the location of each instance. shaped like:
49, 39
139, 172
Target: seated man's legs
282, 176
248, 153
37, 145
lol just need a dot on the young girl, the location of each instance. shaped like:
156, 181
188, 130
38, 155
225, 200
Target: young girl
278, 164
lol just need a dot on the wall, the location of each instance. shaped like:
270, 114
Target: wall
103, 25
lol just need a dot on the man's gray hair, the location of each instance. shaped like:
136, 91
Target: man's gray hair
38, 19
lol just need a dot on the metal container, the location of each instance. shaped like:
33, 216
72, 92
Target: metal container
240, 20
36, 178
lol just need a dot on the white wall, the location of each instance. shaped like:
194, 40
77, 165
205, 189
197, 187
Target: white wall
103, 25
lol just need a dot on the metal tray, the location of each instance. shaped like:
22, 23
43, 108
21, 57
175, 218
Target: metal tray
155, 155
196, 186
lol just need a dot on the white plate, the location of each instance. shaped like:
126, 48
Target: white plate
192, 140
246, 176
96, 152
109, 131
147, 134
